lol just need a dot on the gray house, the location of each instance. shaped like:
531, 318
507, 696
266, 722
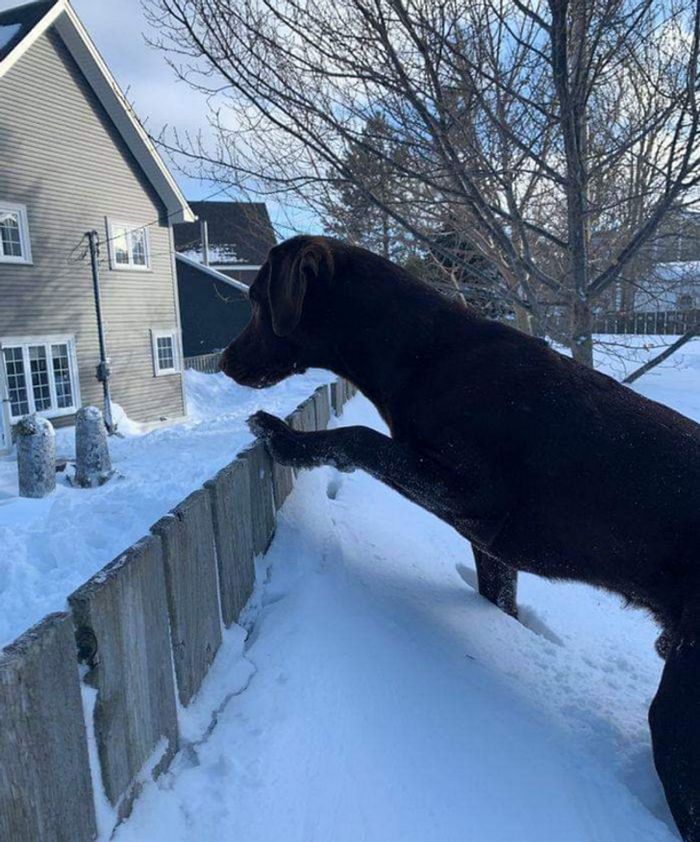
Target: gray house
74, 159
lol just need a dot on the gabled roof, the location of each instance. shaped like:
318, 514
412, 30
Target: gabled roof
240, 234
23, 25
212, 273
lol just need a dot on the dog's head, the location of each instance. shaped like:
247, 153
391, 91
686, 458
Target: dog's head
288, 298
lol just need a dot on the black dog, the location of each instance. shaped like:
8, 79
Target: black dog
543, 464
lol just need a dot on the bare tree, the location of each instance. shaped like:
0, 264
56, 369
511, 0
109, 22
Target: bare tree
555, 134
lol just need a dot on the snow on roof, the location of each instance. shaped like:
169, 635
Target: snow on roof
217, 254
195, 263
239, 233
680, 270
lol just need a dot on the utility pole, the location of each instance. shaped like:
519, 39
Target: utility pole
103, 372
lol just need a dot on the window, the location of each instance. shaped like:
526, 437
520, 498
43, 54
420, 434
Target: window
41, 375
14, 234
165, 352
128, 245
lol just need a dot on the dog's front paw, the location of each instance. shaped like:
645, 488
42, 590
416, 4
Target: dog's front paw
285, 445
263, 425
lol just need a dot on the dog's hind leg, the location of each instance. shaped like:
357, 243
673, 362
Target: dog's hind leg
674, 718
498, 582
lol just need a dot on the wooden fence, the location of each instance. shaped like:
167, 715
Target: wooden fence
146, 629
666, 323
206, 363
663, 323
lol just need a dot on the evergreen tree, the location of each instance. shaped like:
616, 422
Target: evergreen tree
357, 208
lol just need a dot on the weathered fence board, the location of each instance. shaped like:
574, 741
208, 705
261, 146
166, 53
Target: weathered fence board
323, 407
336, 404
121, 617
295, 419
308, 414
233, 533
187, 535
340, 394
45, 786
282, 482
261, 495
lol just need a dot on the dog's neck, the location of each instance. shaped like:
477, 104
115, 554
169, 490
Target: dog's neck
381, 346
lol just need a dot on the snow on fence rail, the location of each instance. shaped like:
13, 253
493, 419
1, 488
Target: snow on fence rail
146, 629
206, 363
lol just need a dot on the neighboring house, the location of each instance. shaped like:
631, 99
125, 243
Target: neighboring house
240, 235
678, 239
672, 281
214, 308
671, 287
665, 275
75, 159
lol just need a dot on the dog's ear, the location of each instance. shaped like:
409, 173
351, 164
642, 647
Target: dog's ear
288, 285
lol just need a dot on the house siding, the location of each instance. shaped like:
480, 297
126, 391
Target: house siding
61, 156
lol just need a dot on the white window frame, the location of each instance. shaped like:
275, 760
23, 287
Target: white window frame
113, 223
21, 211
57, 339
165, 333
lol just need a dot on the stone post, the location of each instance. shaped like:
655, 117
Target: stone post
36, 456
93, 466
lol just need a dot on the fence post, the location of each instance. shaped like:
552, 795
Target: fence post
323, 407
233, 533
259, 465
45, 784
121, 617
187, 534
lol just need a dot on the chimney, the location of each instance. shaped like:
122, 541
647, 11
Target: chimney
204, 228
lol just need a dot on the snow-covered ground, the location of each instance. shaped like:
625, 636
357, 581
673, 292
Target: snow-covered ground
379, 698
49, 547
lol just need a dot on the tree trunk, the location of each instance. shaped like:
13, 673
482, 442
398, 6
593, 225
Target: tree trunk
569, 26
582, 331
